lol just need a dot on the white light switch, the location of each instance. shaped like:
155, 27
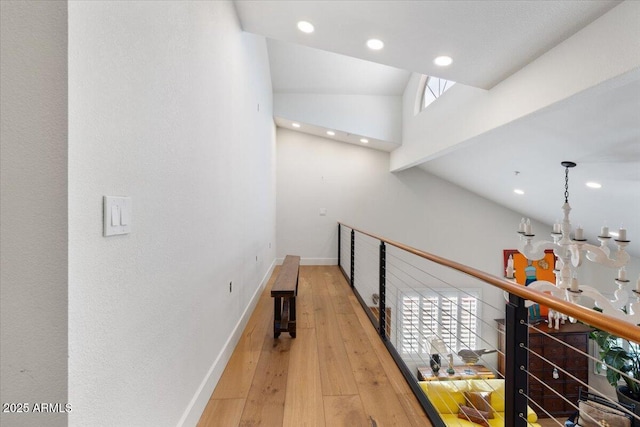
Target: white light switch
117, 215
125, 214
323, 211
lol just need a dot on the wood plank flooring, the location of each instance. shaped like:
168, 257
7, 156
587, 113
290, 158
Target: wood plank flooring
336, 372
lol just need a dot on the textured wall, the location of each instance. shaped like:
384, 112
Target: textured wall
169, 103
33, 183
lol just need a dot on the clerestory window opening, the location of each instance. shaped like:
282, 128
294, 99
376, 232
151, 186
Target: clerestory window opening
434, 88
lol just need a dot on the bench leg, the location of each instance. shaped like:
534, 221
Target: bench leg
284, 316
292, 317
277, 316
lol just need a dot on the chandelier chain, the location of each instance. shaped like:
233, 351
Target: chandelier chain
566, 185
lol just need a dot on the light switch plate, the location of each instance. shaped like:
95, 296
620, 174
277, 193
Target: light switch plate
116, 215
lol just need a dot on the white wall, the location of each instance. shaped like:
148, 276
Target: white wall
355, 187
169, 103
33, 208
373, 116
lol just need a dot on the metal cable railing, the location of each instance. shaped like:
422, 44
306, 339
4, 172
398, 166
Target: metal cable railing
437, 319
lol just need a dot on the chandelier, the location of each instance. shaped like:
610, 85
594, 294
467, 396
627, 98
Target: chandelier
570, 254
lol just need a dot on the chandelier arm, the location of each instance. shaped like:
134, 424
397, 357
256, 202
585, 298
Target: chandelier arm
608, 306
609, 309
535, 251
542, 286
634, 309
527, 303
598, 255
545, 286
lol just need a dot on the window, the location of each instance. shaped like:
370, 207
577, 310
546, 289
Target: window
434, 88
451, 316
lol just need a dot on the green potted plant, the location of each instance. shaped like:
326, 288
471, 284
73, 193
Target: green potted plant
624, 358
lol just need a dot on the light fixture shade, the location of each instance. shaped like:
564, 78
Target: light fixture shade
375, 44
443, 61
306, 27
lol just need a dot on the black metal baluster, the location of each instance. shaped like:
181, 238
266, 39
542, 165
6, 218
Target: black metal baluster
339, 235
516, 362
383, 285
353, 255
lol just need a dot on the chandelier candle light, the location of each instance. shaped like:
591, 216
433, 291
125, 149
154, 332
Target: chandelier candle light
570, 253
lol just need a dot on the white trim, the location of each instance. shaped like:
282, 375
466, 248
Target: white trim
198, 403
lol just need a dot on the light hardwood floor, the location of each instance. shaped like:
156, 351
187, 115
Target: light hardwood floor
336, 372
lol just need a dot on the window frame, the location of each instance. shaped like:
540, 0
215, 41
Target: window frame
424, 86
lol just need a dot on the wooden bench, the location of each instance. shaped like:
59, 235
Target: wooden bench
284, 292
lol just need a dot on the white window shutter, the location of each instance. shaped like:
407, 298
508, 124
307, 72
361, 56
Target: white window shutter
410, 324
468, 325
453, 317
429, 323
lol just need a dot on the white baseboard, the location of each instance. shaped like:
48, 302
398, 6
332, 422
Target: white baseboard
313, 261
198, 403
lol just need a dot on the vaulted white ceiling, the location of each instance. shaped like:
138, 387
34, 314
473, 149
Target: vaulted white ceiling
490, 41
599, 129
300, 69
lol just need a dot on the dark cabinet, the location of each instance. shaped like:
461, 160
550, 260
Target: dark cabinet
557, 350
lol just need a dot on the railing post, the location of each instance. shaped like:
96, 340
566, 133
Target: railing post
516, 362
339, 233
383, 291
353, 255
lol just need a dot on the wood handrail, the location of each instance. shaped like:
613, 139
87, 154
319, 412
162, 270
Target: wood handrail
591, 317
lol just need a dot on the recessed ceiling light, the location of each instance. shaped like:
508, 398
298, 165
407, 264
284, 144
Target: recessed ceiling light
594, 185
443, 61
375, 44
306, 27
518, 191
330, 133
364, 140
295, 125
